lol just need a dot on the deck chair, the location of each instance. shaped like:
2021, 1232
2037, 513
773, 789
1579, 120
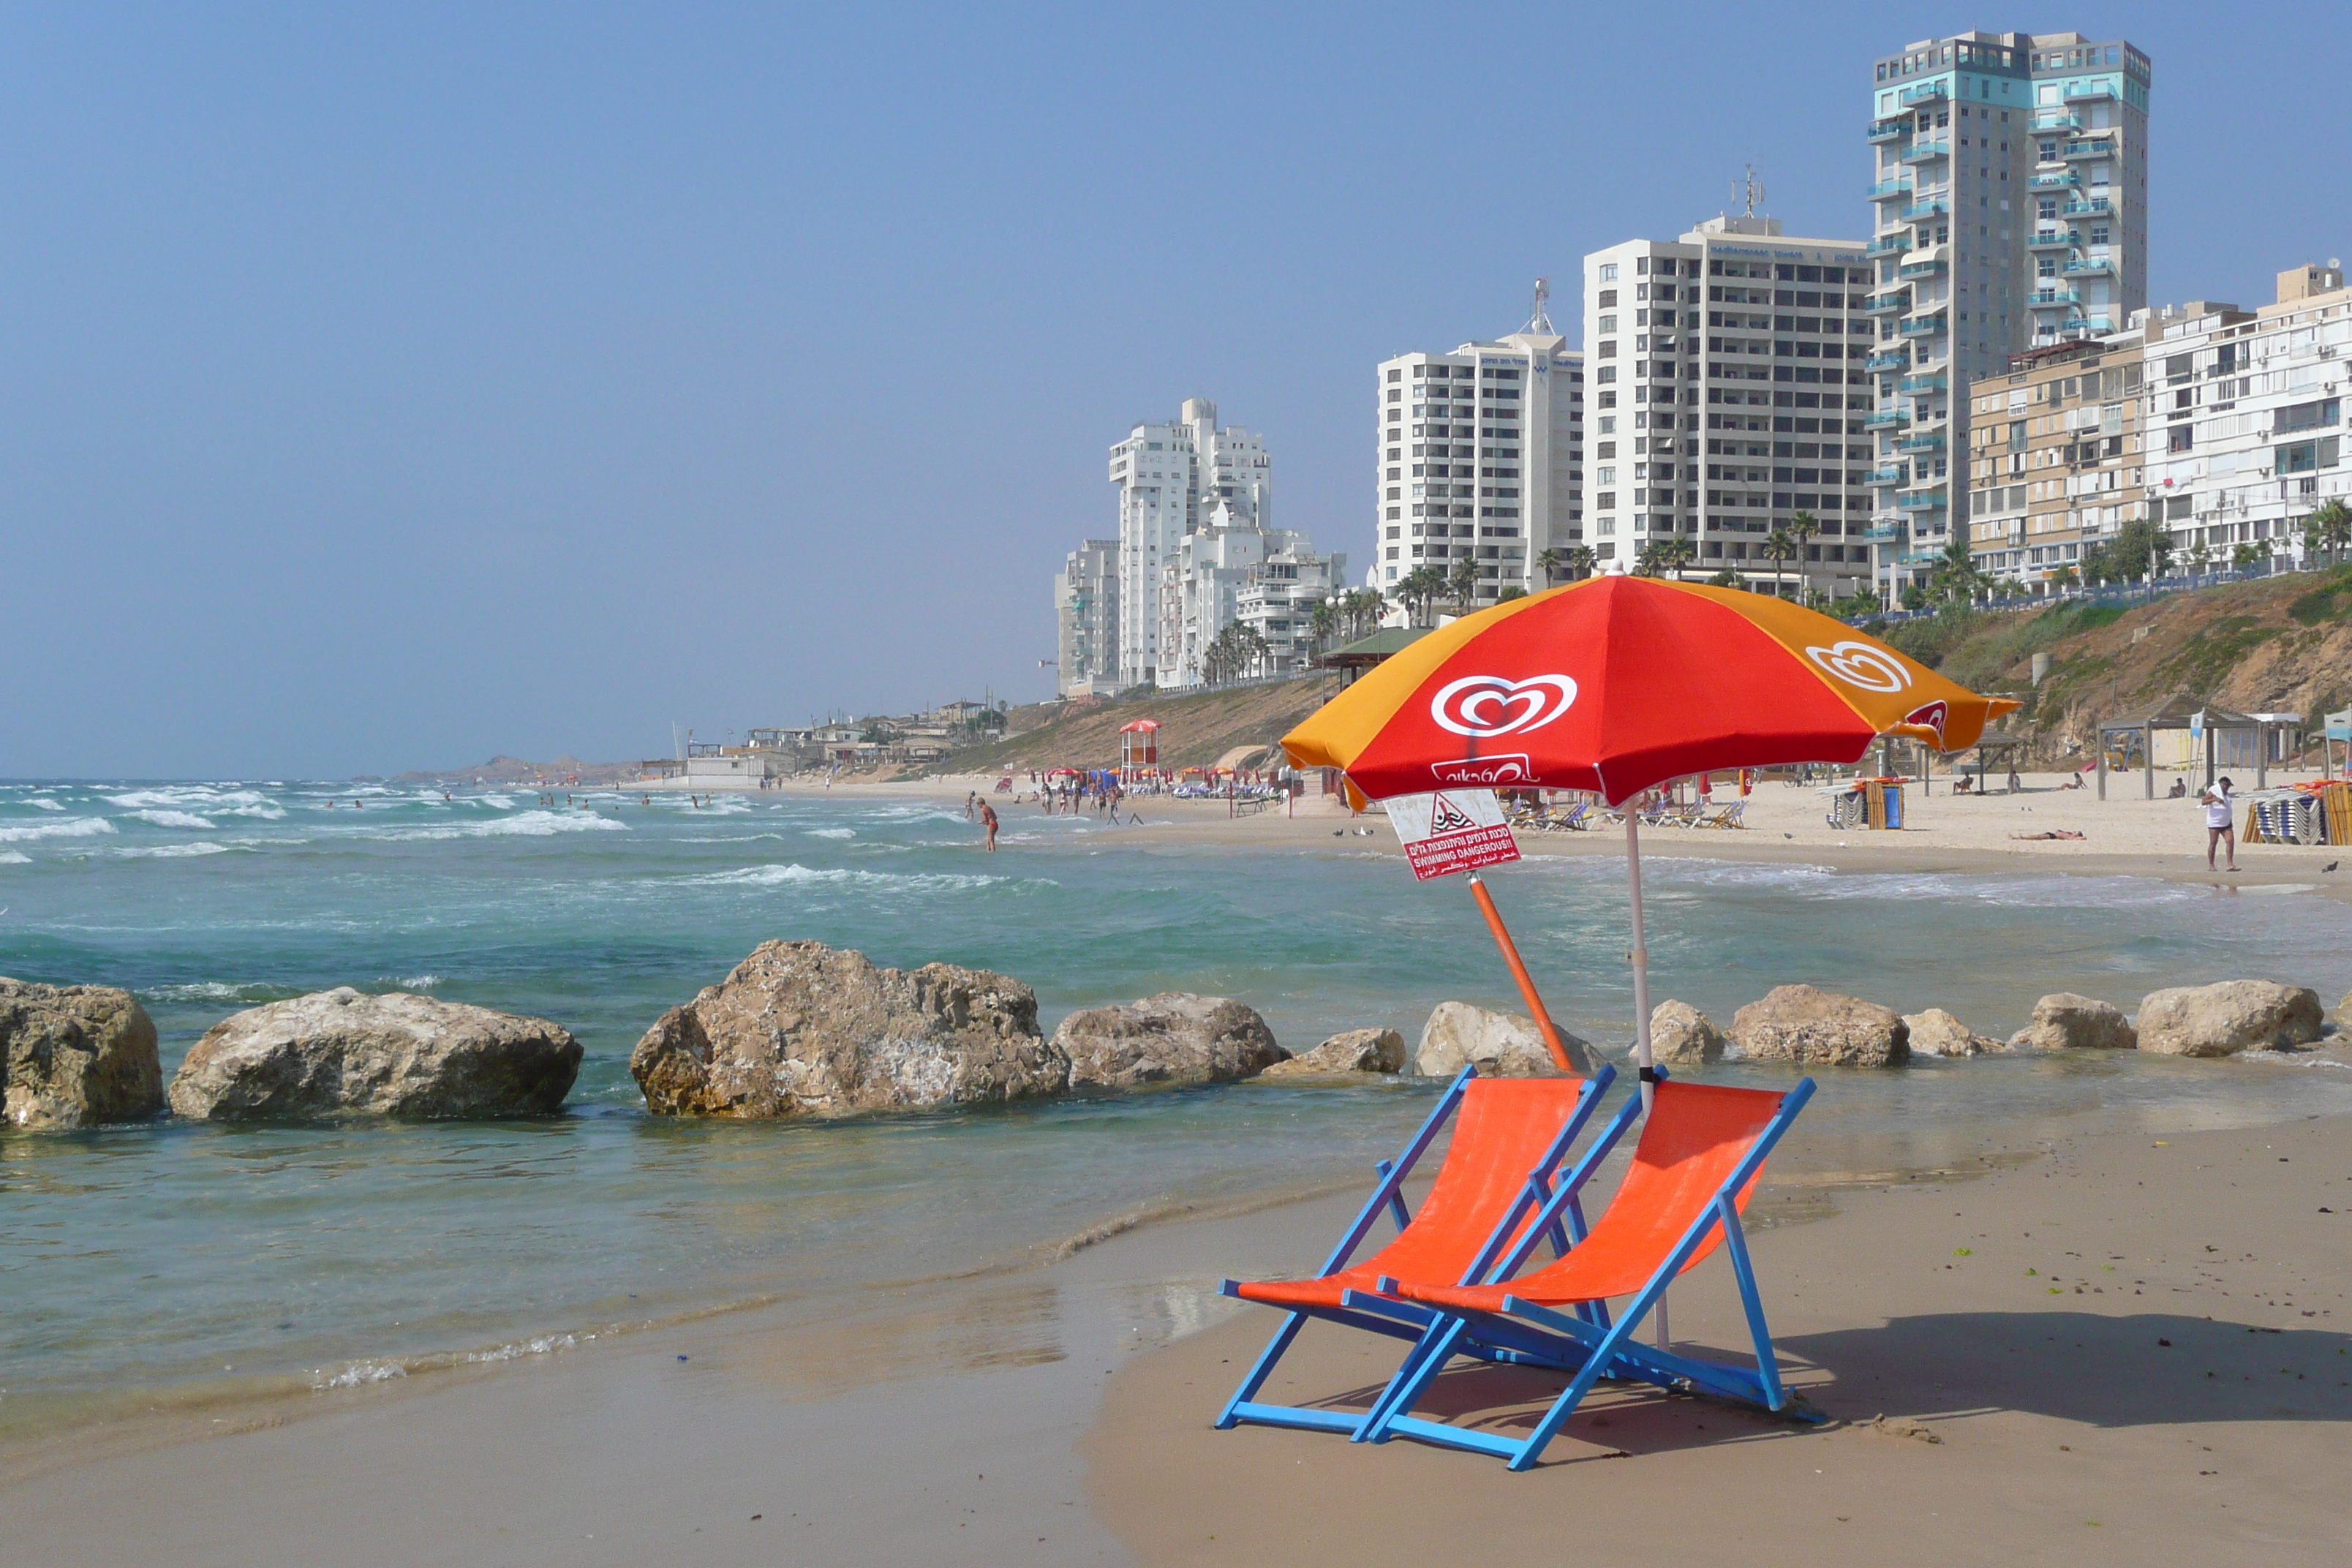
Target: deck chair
1697, 1163
1510, 1136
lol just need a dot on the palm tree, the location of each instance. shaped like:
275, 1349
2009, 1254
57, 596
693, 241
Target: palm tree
1779, 546
1552, 564
1664, 557
1801, 529
1956, 576
1579, 560
2329, 528
1464, 581
1322, 622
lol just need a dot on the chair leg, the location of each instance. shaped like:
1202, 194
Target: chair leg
1260, 1369
1406, 1376
1767, 1363
1404, 1391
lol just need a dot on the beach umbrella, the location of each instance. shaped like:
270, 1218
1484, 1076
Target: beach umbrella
1616, 685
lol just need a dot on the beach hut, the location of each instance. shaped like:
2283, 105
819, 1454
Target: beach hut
1139, 746
2180, 733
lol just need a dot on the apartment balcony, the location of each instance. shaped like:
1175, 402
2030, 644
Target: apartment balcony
2087, 91
1923, 327
1921, 441
1927, 152
1882, 533
1915, 384
1887, 244
2044, 299
2088, 266
2097, 206
1930, 208
1885, 419
1887, 190
2056, 179
1932, 267
1919, 558
1922, 501
1894, 476
2052, 240
2057, 120
1886, 304
2075, 150
1892, 359
2086, 326
1929, 92
1890, 129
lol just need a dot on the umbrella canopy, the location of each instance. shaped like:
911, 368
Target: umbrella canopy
1620, 683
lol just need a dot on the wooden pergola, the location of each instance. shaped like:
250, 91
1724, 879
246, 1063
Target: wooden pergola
2181, 712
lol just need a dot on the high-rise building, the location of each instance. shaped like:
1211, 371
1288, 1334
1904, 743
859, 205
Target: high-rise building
1167, 475
1729, 396
2011, 196
1478, 456
1085, 619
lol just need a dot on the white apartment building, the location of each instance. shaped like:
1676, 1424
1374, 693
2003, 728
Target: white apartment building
1479, 455
1167, 475
1728, 395
1227, 571
1279, 602
2010, 202
1085, 619
2244, 421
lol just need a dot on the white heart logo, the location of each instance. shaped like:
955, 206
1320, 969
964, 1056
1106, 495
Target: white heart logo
1859, 664
1485, 706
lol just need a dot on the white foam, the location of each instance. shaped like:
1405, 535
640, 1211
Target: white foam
44, 803
540, 824
163, 818
201, 990
174, 851
790, 874
359, 1374
15, 857
71, 827
831, 832
419, 982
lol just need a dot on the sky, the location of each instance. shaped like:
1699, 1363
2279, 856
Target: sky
387, 386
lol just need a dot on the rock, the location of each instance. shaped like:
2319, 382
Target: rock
1504, 1045
1356, 1051
1936, 1033
1814, 1027
1175, 1038
1682, 1035
343, 1053
74, 1056
2064, 1021
799, 1029
2234, 1016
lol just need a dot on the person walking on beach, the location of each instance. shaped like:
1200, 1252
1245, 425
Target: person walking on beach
2220, 827
988, 821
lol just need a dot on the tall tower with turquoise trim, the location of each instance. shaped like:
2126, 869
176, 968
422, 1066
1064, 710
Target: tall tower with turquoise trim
2010, 192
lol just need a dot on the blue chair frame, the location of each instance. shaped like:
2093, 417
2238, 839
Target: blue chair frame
1587, 1345
1559, 1215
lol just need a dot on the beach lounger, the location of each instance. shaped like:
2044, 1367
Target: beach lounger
1699, 1157
1509, 1138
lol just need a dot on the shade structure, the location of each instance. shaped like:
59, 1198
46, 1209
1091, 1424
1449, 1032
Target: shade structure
1621, 683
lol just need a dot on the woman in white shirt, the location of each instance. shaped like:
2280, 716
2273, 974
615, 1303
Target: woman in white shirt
2219, 825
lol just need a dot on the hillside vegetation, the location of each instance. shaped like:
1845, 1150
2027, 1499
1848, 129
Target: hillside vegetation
1195, 729
2279, 644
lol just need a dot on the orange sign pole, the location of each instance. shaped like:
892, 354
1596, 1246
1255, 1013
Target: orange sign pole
1519, 973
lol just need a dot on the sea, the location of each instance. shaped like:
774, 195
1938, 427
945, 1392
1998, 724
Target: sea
167, 1264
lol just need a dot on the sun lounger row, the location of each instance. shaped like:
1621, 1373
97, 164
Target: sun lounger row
1450, 1283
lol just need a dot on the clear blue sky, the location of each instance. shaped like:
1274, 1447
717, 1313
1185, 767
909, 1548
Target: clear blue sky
385, 386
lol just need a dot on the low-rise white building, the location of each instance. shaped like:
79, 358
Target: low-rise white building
1228, 570
1278, 603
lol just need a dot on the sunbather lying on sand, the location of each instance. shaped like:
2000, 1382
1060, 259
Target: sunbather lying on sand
2054, 833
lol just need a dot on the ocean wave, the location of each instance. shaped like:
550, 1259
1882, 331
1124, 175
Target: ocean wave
204, 797
174, 851
263, 809
15, 857
161, 817
251, 992
831, 832
538, 824
71, 827
786, 875
418, 982
389, 1369
44, 803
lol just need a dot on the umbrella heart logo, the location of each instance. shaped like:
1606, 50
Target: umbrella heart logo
1485, 706
1859, 664
1930, 716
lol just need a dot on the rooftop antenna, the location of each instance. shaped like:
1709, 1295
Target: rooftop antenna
1541, 320
1749, 189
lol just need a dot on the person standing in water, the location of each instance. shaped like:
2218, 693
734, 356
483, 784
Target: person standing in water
988, 821
2220, 826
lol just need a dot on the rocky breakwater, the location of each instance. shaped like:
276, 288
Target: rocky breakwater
1170, 1039
344, 1053
75, 1055
1349, 1055
1503, 1044
799, 1029
1682, 1035
2065, 1021
1936, 1033
1813, 1027
2223, 1019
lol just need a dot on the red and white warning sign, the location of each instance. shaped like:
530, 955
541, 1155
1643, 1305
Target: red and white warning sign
1452, 830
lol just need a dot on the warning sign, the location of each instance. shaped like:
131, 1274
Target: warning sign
1452, 830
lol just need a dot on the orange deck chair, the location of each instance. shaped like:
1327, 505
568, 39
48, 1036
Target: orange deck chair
1509, 1138
1700, 1155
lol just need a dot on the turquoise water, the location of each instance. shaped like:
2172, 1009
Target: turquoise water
174, 1258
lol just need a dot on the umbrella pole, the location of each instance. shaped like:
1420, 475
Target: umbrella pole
1640, 957
1536, 1008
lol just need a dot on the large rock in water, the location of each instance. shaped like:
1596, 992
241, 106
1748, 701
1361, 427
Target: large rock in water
2065, 1021
799, 1029
1936, 1033
344, 1053
1356, 1051
1813, 1027
1504, 1045
1175, 1038
76, 1055
1682, 1035
2234, 1016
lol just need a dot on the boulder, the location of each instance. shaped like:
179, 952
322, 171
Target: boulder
799, 1029
1682, 1035
1175, 1038
1504, 1045
2064, 1021
1936, 1033
344, 1053
1813, 1027
74, 1056
2234, 1016
1356, 1051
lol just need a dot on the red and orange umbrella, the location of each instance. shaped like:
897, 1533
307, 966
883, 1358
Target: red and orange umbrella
1619, 684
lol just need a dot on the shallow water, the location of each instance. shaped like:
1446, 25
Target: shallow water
170, 1257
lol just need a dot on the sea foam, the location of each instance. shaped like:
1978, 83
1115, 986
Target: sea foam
71, 827
163, 818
